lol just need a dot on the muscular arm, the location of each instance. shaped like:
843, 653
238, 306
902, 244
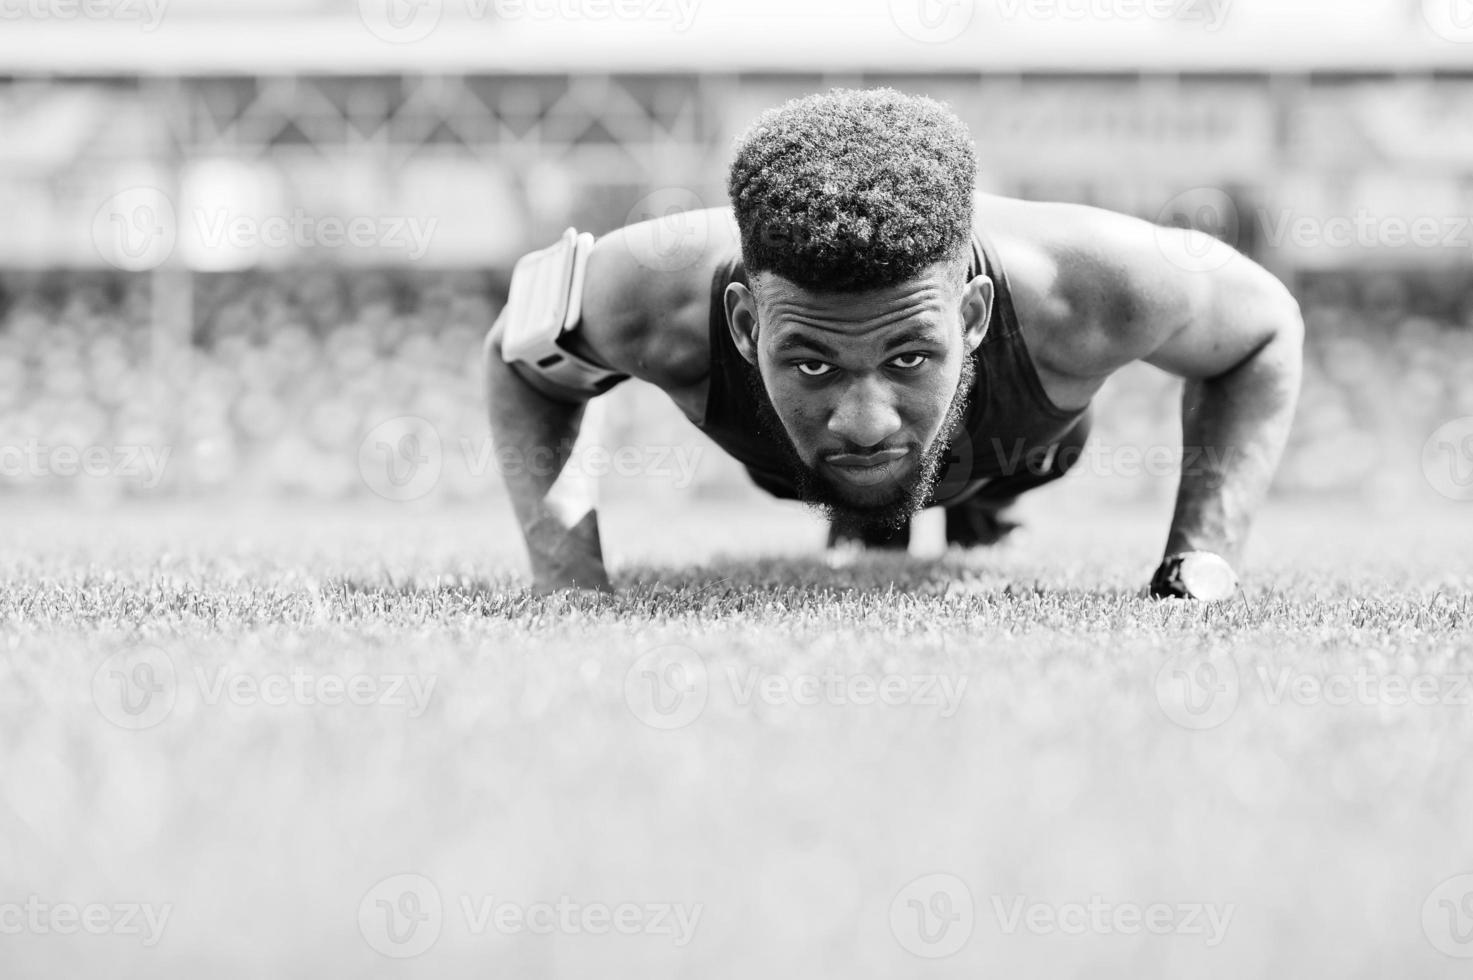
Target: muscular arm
1239, 349
555, 505
1237, 423
642, 318
1200, 310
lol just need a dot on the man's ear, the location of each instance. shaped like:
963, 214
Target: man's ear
976, 310
741, 320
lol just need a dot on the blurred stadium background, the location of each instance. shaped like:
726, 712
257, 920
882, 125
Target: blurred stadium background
133, 134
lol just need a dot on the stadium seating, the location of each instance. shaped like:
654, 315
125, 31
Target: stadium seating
288, 372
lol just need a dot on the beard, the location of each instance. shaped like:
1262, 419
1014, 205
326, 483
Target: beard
905, 499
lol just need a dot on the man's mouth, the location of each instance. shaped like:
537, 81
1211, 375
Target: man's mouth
867, 469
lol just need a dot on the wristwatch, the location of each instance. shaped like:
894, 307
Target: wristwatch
1194, 575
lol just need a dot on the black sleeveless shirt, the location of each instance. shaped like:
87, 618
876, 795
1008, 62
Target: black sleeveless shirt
1008, 415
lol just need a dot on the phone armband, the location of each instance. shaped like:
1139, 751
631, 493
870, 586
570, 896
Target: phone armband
544, 305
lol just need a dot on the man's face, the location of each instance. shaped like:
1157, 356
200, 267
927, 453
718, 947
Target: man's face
868, 388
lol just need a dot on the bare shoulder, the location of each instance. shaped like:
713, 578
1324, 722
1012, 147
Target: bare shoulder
646, 300
1096, 289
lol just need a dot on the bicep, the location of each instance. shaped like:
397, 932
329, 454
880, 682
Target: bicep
646, 313
1217, 311
644, 305
599, 339
648, 283
1177, 299
612, 320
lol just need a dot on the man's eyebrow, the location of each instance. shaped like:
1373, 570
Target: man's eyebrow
915, 335
798, 341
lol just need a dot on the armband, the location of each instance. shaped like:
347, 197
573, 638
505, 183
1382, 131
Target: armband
545, 304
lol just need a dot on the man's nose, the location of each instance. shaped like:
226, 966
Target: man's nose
864, 416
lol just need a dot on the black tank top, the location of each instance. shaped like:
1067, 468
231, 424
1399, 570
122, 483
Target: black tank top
1009, 412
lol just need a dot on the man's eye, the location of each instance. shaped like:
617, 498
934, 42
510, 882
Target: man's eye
915, 360
814, 369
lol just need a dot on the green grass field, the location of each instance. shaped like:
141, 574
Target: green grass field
740, 765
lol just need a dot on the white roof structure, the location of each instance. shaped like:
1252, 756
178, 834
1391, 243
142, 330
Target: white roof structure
214, 37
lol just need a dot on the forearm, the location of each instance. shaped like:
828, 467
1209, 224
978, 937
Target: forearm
555, 504
1234, 429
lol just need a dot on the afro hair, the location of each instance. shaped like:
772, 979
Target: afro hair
853, 189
